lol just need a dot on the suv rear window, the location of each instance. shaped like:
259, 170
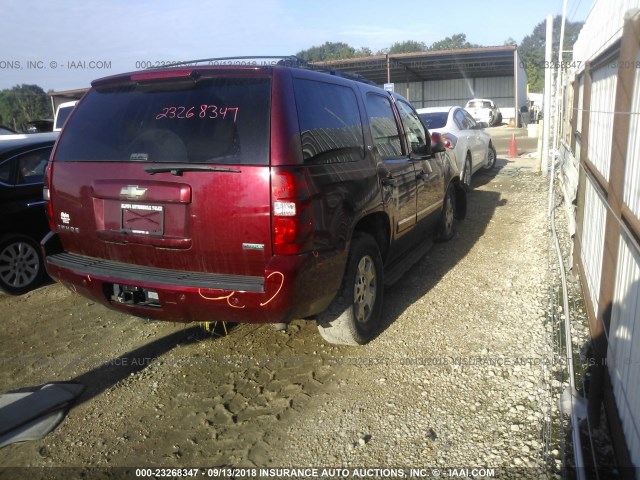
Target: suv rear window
223, 120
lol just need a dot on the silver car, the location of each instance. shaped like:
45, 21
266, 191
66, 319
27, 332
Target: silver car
462, 135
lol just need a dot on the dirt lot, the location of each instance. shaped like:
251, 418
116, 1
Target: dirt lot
457, 379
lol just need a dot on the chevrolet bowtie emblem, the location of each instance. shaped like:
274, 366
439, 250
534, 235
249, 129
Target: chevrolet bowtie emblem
132, 192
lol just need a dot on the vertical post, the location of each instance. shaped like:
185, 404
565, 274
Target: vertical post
515, 86
547, 96
558, 110
388, 70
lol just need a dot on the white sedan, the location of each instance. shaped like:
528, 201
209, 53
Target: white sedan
463, 136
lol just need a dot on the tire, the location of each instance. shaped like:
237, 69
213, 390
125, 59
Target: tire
447, 222
21, 265
491, 157
466, 174
353, 317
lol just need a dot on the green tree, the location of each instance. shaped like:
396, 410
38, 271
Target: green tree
327, 51
408, 46
510, 41
454, 42
22, 104
532, 49
364, 52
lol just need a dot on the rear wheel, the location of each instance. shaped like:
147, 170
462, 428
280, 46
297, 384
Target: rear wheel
21, 266
447, 222
466, 174
491, 157
354, 315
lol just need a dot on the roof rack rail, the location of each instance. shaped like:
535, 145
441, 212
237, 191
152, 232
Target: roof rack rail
276, 60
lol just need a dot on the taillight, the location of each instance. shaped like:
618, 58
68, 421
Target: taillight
449, 140
46, 194
292, 212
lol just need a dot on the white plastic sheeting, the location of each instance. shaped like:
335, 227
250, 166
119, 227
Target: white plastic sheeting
632, 169
592, 240
603, 100
623, 357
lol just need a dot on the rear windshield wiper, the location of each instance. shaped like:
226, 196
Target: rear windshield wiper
178, 168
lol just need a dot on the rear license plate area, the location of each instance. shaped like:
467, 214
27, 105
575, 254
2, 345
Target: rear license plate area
142, 219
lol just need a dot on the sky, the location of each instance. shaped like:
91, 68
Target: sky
66, 44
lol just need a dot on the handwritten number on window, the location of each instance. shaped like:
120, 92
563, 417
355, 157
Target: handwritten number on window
211, 112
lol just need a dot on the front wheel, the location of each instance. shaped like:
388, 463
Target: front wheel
354, 315
491, 157
21, 265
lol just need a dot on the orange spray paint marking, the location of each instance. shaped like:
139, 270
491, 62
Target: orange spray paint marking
279, 288
226, 297
232, 305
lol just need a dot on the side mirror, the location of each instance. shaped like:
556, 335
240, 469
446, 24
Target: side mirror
437, 145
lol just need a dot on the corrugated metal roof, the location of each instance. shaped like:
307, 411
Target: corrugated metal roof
431, 65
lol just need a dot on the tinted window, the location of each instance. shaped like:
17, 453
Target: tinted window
330, 124
459, 118
220, 120
5, 171
25, 168
384, 128
31, 165
434, 119
414, 129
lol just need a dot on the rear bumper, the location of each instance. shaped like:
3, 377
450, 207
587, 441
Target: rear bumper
293, 286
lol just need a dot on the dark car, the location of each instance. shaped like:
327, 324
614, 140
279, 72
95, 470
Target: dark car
23, 221
245, 194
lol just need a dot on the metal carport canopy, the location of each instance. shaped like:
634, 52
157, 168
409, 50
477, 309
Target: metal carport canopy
431, 65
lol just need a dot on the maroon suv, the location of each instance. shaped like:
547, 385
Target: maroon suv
245, 194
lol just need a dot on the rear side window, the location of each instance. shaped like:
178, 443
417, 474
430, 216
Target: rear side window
460, 120
330, 124
25, 168
434, 119
384, 128
222, 120
31, 166
5, 171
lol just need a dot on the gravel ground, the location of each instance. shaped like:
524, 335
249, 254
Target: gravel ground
460, 377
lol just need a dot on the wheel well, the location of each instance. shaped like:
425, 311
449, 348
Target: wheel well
376, 225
